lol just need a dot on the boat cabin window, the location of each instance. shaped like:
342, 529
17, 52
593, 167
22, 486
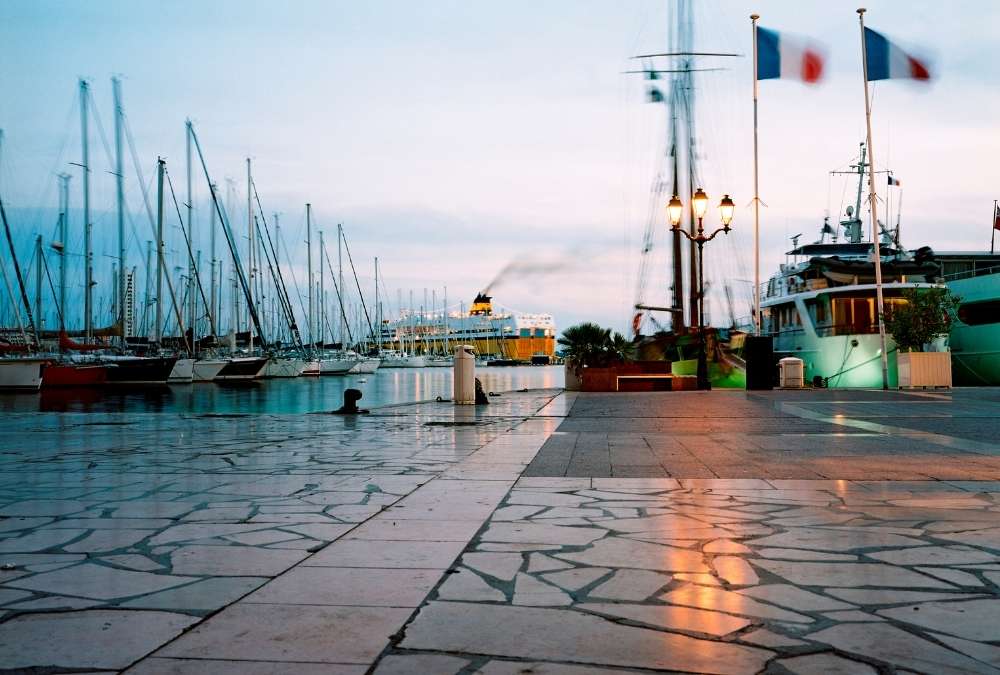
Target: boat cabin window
979, 313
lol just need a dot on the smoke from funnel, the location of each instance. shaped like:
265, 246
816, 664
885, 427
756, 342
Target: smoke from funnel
521, 269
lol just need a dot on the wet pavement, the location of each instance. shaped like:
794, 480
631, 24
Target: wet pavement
552, 533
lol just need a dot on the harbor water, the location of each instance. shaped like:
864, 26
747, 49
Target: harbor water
282, 396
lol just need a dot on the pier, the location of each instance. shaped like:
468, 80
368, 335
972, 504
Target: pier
549, 532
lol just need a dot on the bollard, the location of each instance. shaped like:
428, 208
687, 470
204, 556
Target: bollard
481, 397
350, 407
465, 375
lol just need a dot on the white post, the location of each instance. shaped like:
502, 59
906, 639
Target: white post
872, 209
756, 192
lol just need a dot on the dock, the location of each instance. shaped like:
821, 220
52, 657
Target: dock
549, 532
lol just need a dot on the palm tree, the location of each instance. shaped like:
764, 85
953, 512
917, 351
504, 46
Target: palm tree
587, 345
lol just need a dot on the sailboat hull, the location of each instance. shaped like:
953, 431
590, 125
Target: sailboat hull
75, 375
140, 371
182, 372
284, 367
206, 370
366, 366
21, 374
242, 369
336, 366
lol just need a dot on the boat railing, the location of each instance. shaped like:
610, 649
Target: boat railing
846, 329
967, 274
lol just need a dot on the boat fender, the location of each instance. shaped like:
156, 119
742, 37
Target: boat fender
350, 407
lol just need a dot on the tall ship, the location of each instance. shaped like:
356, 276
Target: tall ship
500, 335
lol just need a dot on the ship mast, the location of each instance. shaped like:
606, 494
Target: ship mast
120, 207
88, 255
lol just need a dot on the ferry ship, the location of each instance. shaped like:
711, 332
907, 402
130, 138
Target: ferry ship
975, 329
500, 336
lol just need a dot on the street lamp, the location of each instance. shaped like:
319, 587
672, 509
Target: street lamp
727, 209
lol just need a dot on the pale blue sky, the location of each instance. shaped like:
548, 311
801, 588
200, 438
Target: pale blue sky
452, 137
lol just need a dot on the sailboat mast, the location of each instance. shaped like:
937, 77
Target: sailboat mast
63, 239
309, 277
378, 312
158, 324
88, 255
116, 90
322, 294
250, 305
213, 311
192, 311
444, 320
38, 282
340, 272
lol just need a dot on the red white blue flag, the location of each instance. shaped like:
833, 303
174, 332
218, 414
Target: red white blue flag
780, 55
887, 61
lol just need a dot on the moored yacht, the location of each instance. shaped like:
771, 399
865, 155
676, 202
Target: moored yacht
21, 373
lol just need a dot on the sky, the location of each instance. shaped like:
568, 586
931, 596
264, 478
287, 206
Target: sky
453, 137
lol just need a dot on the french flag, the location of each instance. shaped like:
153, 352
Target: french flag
887, 61
781, 55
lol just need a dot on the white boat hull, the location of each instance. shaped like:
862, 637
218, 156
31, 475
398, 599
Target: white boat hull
23, 374
366, 366
440, 362
336, 366
404, 362
284, 367
242, 369
206, 370
182, 372
311, 368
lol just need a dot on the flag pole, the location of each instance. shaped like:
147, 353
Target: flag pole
993, 228
872, 209
756, 193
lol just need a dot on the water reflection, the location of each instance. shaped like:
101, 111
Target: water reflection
299, 395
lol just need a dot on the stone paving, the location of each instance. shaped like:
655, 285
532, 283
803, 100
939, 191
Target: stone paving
414, 540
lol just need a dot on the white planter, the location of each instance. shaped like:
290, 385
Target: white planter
573, 382
924, 369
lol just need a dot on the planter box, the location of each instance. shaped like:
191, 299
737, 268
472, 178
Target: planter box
923, 369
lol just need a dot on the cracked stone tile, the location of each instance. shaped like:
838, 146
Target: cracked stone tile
577, 578
40, 540
133, 561
801, 554
54, 602
22, 523
725, 546
533, 533
893, 645
794, 597
165, 666
108, 540
391, 554
934, 555
468, 586
539, 668
233, 560
196, 531
348, 586
515, 512
706, 597
982, 652
734, 570
834, 540
633, 585
849, 575
97, 581
8, 595
952, 576
851, 615
560, 635
539, 562
702, 579
503, 566
686, 619
619, 552
765, 638
322, 532
292, 633
405, 664
530, 591
261, 537
88, 639
825, 664
970, 619
533, 498
889, 596
43, 507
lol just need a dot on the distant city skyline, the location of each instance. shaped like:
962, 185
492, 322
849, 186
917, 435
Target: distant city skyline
452, 138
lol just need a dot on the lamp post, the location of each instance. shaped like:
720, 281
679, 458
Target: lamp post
700, 204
